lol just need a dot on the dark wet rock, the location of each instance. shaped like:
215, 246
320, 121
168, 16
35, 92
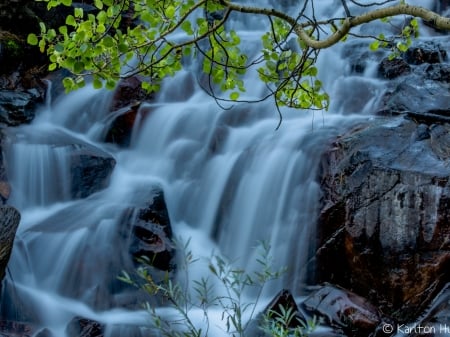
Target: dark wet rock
90, 171
15, 329
434, 321
129, 92
393, 68
422, 132
285, 302
17, 107
152, 234
345, 310
422, 90
440, 140
125, 106
121, 128
5, 188
385, 221
425, 52
436, 72
418, 95
9, 221
83, 327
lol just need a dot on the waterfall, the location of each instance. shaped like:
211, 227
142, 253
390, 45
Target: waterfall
230, 180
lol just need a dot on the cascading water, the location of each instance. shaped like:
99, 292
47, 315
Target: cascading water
229, 178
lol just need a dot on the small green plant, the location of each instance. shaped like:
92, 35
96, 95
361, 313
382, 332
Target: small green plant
277, 323
224, 290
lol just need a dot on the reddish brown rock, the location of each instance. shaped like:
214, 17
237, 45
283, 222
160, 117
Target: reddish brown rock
120, 130
345, 310
129, 92
384, 229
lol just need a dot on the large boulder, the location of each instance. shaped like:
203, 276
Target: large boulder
384, 227
9, 221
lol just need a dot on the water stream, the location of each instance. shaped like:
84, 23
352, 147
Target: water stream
229, 178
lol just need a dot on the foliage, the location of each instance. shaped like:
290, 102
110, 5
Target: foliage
276, 323
122, 38
224, 291
397, 44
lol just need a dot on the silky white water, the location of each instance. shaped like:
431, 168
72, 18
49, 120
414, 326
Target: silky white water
230, 180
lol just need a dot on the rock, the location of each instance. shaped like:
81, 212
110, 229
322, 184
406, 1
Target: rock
129, 92
440, 140
17, 107
384, 227
425, 52
345, 310
9, 221
413, 93
121, 128
90, 170
393, 68
152, 233
436, 72
126, 105
434, 322
423, 75
83, 327
15, 329
284, 301
5, 188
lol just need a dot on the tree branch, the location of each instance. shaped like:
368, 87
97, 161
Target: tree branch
437, 20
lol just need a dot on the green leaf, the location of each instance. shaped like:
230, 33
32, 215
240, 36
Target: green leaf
98, 4
374, 45
70, 21
63, 30
170, 12
78, 12
78, 67
187, 27
32, 39
110, 84
101, 29
234, 96
66, 2
68, 83
43, 28
97, 83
